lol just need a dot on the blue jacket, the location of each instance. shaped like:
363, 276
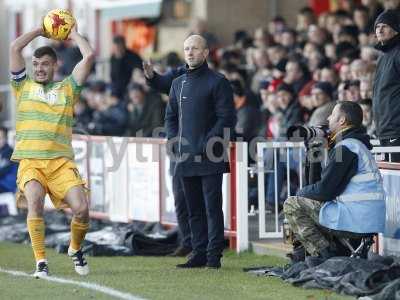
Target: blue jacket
200, 107
361, 206
8, 171
337, 177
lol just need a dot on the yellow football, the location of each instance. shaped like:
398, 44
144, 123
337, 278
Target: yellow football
57, 24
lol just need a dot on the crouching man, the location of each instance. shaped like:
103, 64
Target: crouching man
348, 197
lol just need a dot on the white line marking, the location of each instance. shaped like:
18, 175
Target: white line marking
92, 286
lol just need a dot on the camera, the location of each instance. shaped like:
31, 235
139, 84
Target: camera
307, 133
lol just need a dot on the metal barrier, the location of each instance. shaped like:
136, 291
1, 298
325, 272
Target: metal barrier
270, 224
129, 179
272, 227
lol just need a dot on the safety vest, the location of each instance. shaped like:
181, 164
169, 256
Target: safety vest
361, 206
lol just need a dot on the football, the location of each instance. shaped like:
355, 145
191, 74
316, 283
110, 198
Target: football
57, 24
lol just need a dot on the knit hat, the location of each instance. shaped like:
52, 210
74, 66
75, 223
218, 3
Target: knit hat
389, 17
326, 87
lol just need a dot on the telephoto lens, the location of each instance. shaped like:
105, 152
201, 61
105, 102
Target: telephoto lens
306, 133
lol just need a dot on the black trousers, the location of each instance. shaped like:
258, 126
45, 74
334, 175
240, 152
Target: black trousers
204, 201
181, 211
391, 143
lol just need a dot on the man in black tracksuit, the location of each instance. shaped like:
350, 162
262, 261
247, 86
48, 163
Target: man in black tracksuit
162, 83
200, 108
386, 89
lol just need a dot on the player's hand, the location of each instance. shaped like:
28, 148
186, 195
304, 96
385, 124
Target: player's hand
148, 69
73, 32
41, 30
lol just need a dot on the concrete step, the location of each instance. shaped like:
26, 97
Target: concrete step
275, 247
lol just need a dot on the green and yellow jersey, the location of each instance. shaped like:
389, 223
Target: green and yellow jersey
44, 117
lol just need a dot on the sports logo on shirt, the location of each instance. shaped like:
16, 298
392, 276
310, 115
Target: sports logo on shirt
50, 97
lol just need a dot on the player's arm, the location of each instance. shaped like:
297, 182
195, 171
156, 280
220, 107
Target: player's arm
17, 62
83, 68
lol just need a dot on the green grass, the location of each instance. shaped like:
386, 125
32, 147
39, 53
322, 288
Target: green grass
149, 277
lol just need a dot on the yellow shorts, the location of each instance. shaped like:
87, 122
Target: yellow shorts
57, 176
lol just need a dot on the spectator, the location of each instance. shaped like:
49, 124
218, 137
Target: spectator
270, 114
68, 56
361, 18
248, 117
386, 102
8, 168
329, 75
146, 112
286, 98
368, 123
374, 10
262, 39
366, 88
276, 54
348, 34
289, 40
123, 61
83, 116
305, 18
297, 75
317, 35
306, 101
262, 69
358, 69
391, 4
322, 98
110, 117
345, 72
353, 91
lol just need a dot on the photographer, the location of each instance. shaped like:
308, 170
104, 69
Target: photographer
348, 197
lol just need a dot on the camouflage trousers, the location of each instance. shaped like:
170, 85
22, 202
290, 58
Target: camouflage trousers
303, 216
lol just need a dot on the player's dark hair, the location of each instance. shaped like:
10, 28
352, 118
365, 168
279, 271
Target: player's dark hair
45, 50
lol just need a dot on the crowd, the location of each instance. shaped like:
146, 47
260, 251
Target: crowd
280, 75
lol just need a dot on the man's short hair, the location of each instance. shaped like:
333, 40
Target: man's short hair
45, 50
352, 112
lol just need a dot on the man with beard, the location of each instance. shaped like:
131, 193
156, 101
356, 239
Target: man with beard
43, 142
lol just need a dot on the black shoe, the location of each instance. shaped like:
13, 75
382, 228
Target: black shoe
181, 252
214, 264
193, 262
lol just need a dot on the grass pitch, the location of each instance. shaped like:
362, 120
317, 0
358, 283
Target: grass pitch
149, 278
